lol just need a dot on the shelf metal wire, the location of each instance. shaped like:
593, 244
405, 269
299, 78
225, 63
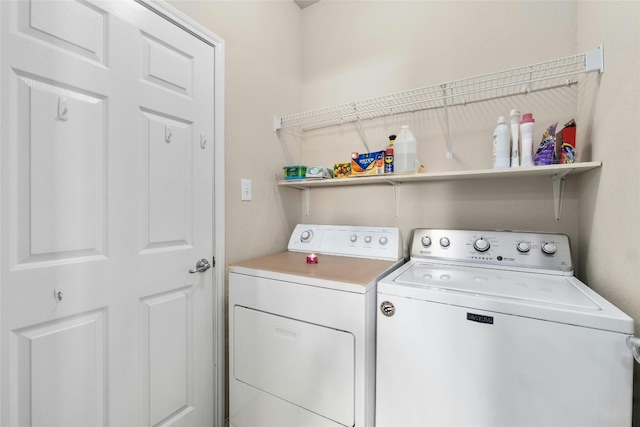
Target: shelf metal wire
521, 80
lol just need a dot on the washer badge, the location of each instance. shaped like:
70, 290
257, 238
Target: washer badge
387, 308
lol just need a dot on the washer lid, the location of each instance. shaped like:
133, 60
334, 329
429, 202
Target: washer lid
529, 287
561, 299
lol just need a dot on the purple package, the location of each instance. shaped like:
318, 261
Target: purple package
546, 149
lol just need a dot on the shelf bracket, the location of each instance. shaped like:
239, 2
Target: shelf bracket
594, 60
446, 121
306, 194
277, 123
558, 191
363, 136
396, 196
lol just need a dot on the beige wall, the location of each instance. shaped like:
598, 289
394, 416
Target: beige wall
609, 219
281, 60
263, 76
358, 50
610, 198
263, 70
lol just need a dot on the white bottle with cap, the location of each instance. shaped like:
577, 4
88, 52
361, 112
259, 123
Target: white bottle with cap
501, 138
405, 152
527, 125
515, 128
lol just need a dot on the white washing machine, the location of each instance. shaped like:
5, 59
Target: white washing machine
302, 334
488, 328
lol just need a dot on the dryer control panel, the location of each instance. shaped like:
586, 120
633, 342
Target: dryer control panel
355, 241
509, 250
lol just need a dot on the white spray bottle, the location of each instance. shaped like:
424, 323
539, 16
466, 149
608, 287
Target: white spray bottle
501, 144
515, 128
527, 124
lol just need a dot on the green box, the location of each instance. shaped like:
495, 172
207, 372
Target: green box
295, 172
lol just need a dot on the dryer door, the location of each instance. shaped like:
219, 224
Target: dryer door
308, 365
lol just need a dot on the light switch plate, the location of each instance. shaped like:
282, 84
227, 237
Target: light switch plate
245, 187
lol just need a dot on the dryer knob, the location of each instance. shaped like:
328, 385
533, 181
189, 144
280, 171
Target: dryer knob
549, 248
383, 240
367, 239
426, 241
306, 236
481, 244
445, 242
353, 238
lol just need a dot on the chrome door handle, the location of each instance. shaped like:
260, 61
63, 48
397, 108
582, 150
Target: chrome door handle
201, 266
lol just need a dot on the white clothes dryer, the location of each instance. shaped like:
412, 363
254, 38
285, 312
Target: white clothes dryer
489, 328
302, 328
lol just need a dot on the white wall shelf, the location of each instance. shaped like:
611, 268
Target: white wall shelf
526, 79
522, 80
529, 78
557, 173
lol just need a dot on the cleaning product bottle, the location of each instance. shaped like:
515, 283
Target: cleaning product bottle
405, 152
501, 145
388, 155
527, 125
515, 127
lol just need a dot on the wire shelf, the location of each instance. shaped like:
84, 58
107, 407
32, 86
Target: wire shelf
531, 78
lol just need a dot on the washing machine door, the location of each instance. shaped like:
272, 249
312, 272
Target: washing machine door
307, 365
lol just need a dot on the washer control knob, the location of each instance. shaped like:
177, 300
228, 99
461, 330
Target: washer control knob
383, 241
367, 239
481, 244
549, 248
353, 238
445, 242
306, 235
523, 247
426, 241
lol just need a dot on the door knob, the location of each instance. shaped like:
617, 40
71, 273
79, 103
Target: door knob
201, 266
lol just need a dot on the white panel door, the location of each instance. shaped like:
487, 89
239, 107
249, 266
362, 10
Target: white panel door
106, 184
